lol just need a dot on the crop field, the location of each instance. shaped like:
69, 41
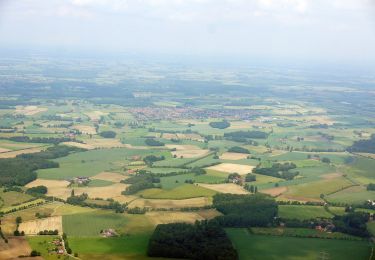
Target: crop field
233, 156
109, 176
251, 246
7, 199
90, 163
313, 190
162, 217
303, 212
185, 191
91, 223
232, 167
168, 203
33, 227
355, 195
225, 188
16, 246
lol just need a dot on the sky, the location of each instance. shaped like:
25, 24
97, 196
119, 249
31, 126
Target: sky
316, 30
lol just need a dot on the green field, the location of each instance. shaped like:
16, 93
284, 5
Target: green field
10, 198
253, 247
354, 195
42, 244
90, 224
303, 212
125, 246
92, 162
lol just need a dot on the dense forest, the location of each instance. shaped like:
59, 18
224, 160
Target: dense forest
278, 170
245, 210
204, 240
363, 146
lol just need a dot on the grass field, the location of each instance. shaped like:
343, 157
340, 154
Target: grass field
303, 212
125, 247
91, 223
92, 162
7, 199
253, 247
185, 191
354, 195
314, 189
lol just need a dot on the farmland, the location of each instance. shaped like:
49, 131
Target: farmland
270, 247
107, 170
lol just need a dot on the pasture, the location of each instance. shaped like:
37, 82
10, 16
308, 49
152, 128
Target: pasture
231, 168
250, 246
303, 212
185, 191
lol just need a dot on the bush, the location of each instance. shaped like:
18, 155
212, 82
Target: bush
220, 125
153, 142
108, 134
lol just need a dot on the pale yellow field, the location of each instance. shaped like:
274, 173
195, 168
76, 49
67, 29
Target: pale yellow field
225, 188
109, 176
232, 167
104, 143
195, 137
233, 156
29, 110
102, 192
239, 125
13, 154
331, 175
190, 153
187, 151
169, 136
95, 115
3, 150
85, 129
55, 188
182, 147
34, 226
275, 191
164, 217
167, 204
79, 145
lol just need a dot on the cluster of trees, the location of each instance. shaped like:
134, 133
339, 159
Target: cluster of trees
66, 243
140, 181
37, 190
150, 159
220, 125
278, 170
81, 201
108, 134
21, 169
153, 142
251, 188
370, 186
363, 146
48, 232
46, 140
238, 149
245, 210
136, 210
250, 177
353, 223
204, 240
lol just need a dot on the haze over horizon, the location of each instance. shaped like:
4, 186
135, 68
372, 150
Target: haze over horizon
291, 30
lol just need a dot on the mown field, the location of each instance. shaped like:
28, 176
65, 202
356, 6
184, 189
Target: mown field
253, 247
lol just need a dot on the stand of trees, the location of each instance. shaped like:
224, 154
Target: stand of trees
278, 170
238, 149
140, 181
108, 134
370, 186
46, 140
37, 190
363, 146
246, 134
220, 125
153, 142
353, 223
150, 159
204, 240
245, 210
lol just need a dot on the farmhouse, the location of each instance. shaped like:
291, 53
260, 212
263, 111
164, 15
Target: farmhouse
108, 233
81, 180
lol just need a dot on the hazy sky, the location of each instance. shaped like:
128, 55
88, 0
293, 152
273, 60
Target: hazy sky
324, 30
